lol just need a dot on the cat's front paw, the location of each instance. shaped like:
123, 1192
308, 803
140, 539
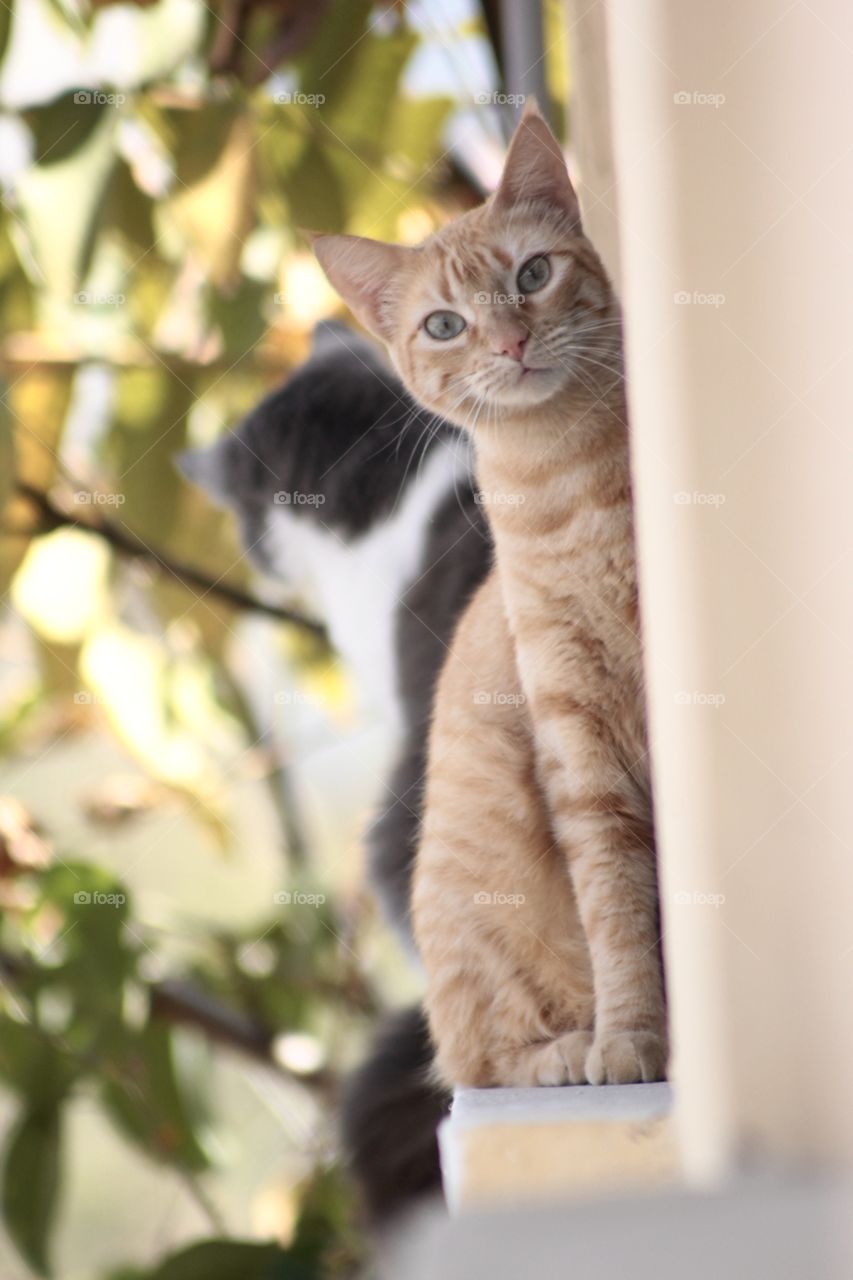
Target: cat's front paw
626, 1057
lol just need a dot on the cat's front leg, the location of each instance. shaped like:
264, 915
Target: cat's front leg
604, 826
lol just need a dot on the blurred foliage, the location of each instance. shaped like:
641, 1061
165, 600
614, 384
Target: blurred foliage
157, 160
83, 1016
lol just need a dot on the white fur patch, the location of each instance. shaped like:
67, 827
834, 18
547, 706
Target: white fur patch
355, 587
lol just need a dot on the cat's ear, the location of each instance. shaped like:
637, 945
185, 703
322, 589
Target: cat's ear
334, 338
365, 274
329, 337
210, 470
535, 168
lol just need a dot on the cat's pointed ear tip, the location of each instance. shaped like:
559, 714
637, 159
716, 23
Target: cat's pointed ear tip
531, 108
319, 242
197, 464
206, 468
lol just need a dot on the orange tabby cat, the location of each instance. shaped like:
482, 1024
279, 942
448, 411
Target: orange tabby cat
535, 897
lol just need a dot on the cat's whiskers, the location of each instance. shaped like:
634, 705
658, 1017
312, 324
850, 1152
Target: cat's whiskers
430, 430
435, 421
574, 353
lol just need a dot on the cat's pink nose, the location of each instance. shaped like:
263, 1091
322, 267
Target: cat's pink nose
511, 344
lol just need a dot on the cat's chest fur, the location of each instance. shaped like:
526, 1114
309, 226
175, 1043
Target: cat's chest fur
356, 585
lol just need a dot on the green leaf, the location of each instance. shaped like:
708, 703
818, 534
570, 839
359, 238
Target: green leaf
5, 24
39, 1071
196, 139
62, 246
313, 192
358, 110
128, 210
328, 64
232, 1260
97, 954
239, 315
149, 427
149, 1102
7, 459
414, 130
62, 126
31, 1184
325, 1215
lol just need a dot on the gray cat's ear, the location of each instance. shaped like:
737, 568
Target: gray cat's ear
366, 273
208, 470
330, 337
535, 169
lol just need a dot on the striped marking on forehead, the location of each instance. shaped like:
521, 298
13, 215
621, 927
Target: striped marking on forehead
460, 265
584, 254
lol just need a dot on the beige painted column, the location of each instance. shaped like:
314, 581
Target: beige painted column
590, 129
733, 135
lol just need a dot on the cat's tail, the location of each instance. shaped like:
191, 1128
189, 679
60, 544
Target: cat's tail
390, 1114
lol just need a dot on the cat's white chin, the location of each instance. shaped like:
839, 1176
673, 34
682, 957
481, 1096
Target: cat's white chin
533, 386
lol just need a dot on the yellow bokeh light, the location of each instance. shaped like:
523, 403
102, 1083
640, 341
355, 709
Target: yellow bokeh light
127, 671
61, 585
306, 294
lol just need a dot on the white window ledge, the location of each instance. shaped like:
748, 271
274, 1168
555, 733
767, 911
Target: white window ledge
513, 1145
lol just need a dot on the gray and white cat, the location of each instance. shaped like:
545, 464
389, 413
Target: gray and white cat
362, 503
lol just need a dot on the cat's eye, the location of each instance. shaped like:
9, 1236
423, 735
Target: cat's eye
535, 274
444, 324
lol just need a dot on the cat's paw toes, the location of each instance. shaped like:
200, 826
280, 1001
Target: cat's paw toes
562, 1061
573, 1048
627, 1057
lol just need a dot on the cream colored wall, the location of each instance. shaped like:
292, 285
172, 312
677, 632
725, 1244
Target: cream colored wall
590, 127
733, 138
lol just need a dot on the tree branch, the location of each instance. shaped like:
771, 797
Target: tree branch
189, 1006
182, 1003
53, 516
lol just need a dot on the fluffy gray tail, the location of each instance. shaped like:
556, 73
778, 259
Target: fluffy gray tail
389, 1118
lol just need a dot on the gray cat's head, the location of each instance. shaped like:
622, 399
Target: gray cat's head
334, 445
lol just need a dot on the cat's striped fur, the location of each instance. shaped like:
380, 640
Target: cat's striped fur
535, 897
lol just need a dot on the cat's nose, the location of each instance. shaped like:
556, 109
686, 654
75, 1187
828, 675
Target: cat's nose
511, 344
